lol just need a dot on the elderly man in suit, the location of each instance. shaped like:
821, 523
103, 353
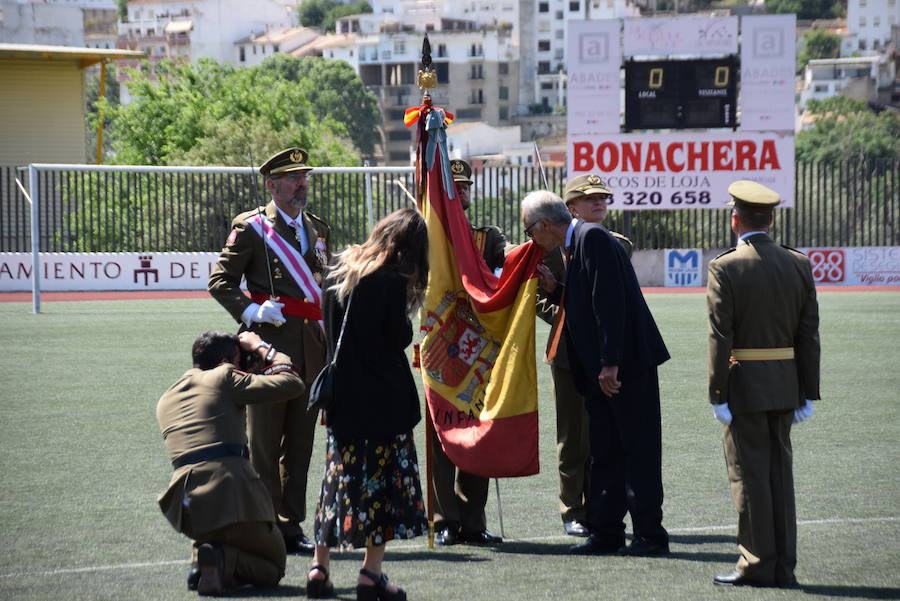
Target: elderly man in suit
614, 350
282, 251
587, 197
215, 497
763, 376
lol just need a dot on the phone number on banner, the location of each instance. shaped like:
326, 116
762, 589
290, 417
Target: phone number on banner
655, 199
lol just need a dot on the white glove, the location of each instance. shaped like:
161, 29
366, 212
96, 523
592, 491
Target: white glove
803, 413
268, 312
722, 413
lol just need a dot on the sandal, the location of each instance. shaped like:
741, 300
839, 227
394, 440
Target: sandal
319, 589
378, 591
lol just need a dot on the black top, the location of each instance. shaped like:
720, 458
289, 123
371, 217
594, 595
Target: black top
607, 319
376, 396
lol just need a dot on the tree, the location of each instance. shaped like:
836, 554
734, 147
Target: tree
336, 92
323, 13
122, 9
806, 9
214, 113
847, 130
344, 10
818, 43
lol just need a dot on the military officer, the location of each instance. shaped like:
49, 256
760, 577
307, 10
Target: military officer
587, 197
460, 497
282, 250
215, 496
763, 377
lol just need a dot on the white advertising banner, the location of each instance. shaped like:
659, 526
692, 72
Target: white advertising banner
855, 266
680, 35
768, 57
684, 170
683, 267
593, 66
108, 271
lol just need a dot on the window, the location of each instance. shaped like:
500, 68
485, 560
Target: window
546, 85
876, 44
399, 47
862, 44
469, 113
151, 32
559, 15
243, 55
398, 135
504, 93
504, 113
442, 50
876, 20
543, 67
476, 72
560, 34
574, 7
543, 45
820, 88
543, 7
396, 157
862, 3
396, 114
862, 21
503, 68
477, 96
544, 27
254, 49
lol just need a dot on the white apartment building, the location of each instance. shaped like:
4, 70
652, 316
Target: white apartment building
858, 78
543, 42
40, 23
869, 26
477, 68
254, 49
191, 29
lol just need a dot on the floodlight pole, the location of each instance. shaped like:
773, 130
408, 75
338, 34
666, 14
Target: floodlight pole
35, 239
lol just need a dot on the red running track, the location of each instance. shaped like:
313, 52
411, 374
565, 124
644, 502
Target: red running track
25, 297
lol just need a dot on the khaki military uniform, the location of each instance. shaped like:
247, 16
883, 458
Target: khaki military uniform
573, 448
761, 298
460, 497
222, 499
281, 434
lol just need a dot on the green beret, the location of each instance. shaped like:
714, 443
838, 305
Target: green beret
752, 195
581, 186
286, 161
461, 170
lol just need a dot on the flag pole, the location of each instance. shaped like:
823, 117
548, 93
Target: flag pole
426, 79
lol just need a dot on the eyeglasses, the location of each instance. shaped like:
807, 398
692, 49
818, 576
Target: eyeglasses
528, 231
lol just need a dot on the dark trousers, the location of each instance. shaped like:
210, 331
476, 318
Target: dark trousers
626, 452
759, 458
459, 497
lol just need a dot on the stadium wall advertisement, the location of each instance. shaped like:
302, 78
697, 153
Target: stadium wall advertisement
684, 268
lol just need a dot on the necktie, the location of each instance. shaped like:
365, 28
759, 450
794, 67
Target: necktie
297, 226
559, 321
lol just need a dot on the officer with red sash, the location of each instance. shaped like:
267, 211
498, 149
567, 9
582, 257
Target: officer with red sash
281, 250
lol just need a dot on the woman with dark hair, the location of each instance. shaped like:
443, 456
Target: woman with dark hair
371, 491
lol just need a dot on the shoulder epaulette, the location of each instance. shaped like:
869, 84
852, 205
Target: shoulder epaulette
730, 250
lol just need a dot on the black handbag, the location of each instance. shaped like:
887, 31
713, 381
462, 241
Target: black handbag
322, 392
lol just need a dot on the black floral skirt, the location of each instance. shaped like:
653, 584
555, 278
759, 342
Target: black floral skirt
370, 494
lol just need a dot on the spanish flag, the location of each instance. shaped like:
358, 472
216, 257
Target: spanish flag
478, 353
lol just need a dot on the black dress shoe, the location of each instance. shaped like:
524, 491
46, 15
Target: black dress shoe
575, 528
735, 578
595, 546
193, 576
642, 547
299, 545
480, 538
446, 537
211, 562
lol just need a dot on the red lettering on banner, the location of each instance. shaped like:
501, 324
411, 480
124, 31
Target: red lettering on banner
676, 156
744, 155
613, 152
654, 158
721, 156
697, 155
582, 154
631, 156
670, 158
769, 155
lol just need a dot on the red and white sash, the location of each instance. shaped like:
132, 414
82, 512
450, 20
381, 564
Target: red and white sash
293, 261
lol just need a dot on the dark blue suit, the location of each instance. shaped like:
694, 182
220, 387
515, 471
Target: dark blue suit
608, 323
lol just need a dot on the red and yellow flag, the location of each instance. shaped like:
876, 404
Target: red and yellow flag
478, 353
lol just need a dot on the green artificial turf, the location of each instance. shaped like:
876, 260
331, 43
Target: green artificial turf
82, 461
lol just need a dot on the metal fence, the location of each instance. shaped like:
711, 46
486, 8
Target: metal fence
146, 209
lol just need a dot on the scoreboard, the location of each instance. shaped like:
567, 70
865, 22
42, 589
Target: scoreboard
681, 94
